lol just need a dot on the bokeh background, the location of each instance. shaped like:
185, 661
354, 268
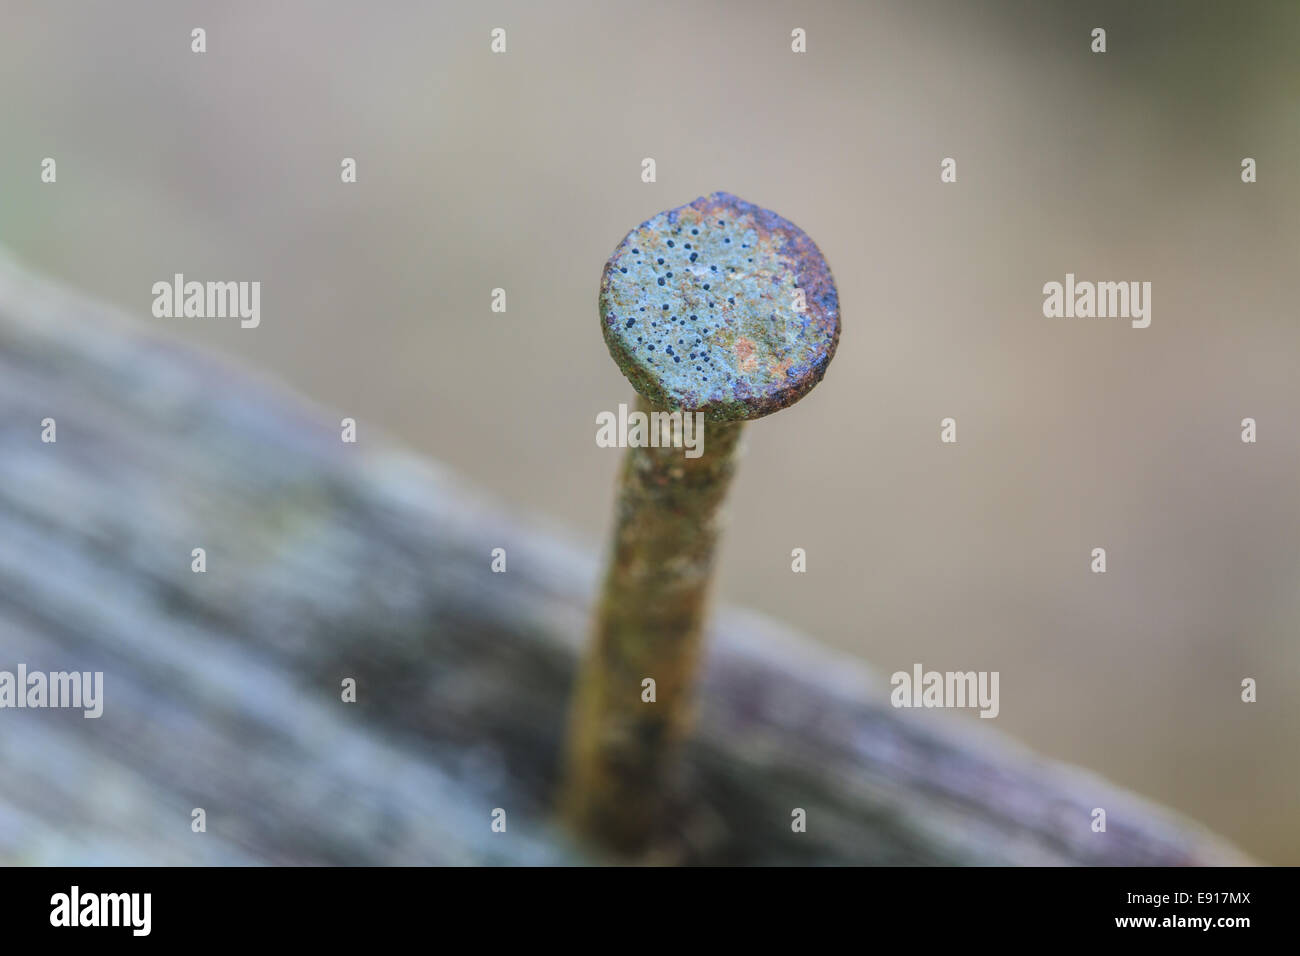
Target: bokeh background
522, 171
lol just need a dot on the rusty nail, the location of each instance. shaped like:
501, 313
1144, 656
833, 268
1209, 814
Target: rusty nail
717, 307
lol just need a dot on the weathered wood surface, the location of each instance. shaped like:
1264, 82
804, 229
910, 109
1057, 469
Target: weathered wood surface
328, 560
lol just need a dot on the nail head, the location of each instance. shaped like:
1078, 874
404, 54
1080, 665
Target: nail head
759, 354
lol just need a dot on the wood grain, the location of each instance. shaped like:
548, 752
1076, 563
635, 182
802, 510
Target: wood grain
326, 561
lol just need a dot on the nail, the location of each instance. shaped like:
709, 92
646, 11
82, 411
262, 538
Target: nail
717, 307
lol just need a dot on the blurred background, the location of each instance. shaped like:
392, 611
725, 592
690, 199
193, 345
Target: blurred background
522, 171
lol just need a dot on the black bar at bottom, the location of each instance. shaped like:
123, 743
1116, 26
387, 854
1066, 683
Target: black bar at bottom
336, 906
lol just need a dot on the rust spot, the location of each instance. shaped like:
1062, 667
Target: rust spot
744, 350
